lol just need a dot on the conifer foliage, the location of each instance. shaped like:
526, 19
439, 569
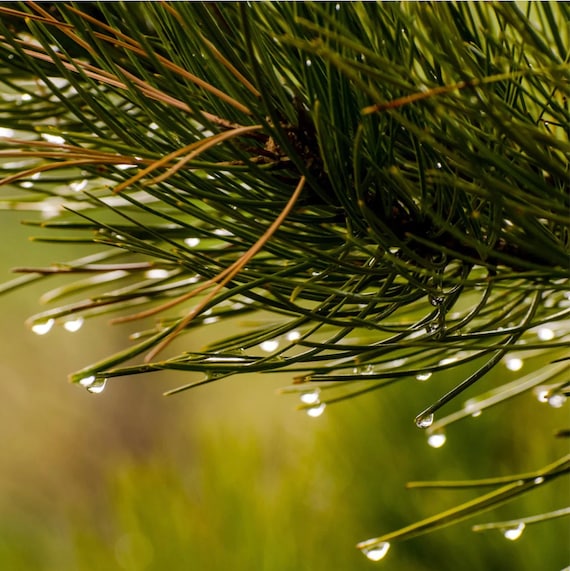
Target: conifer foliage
387, 182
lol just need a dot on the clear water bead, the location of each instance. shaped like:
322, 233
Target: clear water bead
424, 421
514, 532
43, 327
377, 552
436, 440
293, 335
269, 346
317, 410
557, 400
73, 325
192, 242
514, 364
93, 384
310, 397
545, 334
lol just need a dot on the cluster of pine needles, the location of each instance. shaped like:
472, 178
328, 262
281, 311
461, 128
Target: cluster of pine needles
385, 183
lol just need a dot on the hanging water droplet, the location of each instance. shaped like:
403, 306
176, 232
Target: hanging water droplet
377, 552
433, 327
308, 63
545, 334
542, 395
538, 480
56, 139
6, 132
156, 273
43, 327
448, 361
436, 300
557, 400
514, 364
472, 407
424, 421
310, 397
423, 376
78, 185
269, 346
93, 384
73, 325
438, 165
514, 532
337, 7
437, 439
316, 410
192, 242
293, 335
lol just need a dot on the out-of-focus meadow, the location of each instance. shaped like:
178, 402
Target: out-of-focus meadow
230, 475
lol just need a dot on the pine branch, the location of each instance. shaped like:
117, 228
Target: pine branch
431, 144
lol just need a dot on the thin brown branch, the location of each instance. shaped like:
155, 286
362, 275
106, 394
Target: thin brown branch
229, 273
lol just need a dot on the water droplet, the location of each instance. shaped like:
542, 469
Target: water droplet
337, 7
73, 325
27, 184
6, 132
557, 400
424, 421
210, 320
51, 207
308, 63
423, 376
316, 410
542, 395
436, 300
514, 364
472, 407
438, 165
43, 327
310, 397
545, 334
56, 139
377, 552
293, 335
26, 97
78, 185
192, 242
269, 346
437, 440
514, 532
156, 273
538, 480
93, 384
433, 326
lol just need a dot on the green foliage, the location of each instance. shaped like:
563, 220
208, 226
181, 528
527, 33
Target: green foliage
387, 182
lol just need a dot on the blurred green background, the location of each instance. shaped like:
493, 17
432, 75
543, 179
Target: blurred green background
230, 476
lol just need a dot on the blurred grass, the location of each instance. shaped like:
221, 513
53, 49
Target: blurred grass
231, 476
